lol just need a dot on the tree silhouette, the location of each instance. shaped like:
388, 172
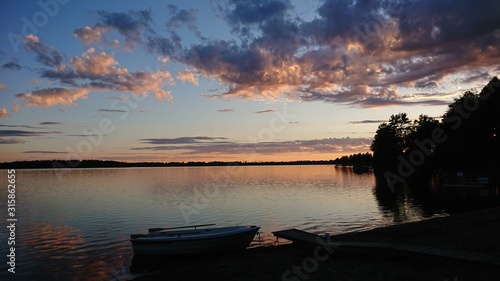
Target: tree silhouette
469, 136
390, 141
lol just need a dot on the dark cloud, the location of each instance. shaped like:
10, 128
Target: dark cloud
354, 52
111, 110
428, 23
379, 44
21, 126
21, 133
183, 17
226, 110
365, 96
131, 25
43, 152
12, 65
265, 111
331, 145
163, 46
84, 135
480, 77
44, 54
185, 140
255, 12
51, 123
367, 122
339, 17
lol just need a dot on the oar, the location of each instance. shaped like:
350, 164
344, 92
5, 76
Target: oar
179, 227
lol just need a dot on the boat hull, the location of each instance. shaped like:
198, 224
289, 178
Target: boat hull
190, 245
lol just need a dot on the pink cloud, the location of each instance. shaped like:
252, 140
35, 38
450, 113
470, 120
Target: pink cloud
53, 96
89, 34
93, 63
4, 113
98, 71
187, 76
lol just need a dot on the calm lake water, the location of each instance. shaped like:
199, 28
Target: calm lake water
75, 224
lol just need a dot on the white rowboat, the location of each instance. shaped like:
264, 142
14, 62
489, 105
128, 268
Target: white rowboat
183, 241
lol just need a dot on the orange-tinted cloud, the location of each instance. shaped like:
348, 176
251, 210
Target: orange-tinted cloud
352, 52
92, 71
89, 34
187, 76
94, 64
3, 112
52, 96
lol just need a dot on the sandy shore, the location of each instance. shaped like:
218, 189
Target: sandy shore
477, 232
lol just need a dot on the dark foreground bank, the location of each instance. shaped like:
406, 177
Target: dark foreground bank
477, 232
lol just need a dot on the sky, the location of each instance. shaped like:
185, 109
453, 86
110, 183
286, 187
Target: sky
266, 80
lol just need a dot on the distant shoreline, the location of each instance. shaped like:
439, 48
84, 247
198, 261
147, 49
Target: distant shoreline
84, 164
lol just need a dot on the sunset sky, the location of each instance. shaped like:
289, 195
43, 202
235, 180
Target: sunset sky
230, 80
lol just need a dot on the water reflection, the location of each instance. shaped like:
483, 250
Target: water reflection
66, 249
76, 223
421, 198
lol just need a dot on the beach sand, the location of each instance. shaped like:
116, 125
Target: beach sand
477, 232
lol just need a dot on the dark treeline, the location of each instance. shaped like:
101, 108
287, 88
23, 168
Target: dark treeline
467, 138
359, 159
57, 164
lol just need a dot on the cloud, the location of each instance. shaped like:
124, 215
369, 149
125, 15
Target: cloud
226, 110
94, 64
370, 97
265, 111
182, 17
480, 77
12, 65
52, 96
51, 123
90, 35
4, 113
2, 86
129, 24
103, 72
22, 133
240, 13
187, 76
43, 152
184, 140
110, 110
84, 135
353, 52
330, 145
21, 126
164, 46
12, 141
44, 54
367, 122
119, 98
96, 71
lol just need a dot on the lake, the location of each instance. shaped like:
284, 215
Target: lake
75, 224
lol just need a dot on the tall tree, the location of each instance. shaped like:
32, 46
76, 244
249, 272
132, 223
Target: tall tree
390, 141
